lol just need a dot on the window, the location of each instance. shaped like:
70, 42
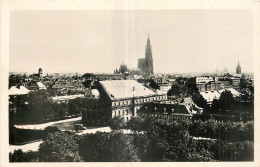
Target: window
126, 119
123, 112
119, 103
119, 112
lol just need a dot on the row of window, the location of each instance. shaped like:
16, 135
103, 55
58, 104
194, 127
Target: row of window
168, 117
119, 103
121, 112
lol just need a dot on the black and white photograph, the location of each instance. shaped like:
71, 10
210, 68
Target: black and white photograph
126, 83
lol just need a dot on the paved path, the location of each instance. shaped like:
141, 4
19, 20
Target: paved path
101, 129
27, 147
44, 125
202, 138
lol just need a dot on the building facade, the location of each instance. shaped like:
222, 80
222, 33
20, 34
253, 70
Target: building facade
120, 98
165, 111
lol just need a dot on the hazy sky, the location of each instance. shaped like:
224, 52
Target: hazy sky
99, 41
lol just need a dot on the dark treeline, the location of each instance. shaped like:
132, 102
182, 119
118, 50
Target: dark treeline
226, 131
23, 136
156, 141
39, 108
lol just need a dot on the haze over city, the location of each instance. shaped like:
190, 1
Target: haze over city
99, 41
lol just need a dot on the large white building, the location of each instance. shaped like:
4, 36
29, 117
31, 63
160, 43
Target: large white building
120, 98
127, 96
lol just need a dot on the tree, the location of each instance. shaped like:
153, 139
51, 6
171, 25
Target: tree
108, 147
135, 124
233, 151
117, 123
178, 90
59, 147
20, 156
74, 106
215, 107
154, 85
226, 100
48, 130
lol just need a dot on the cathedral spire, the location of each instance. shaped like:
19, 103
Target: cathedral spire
238, 64
148, 41
238, 68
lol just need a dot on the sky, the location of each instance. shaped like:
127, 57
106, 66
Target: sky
182, 41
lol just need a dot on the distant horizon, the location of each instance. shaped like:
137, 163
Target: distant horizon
157, 73
96, 41
35, 71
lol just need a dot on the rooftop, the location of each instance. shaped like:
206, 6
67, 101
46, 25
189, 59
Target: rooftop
18, 91
117, 89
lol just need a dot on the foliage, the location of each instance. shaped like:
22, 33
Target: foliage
233, 151
226, 100
139, 123
37, 110
60, 110
21, 136
117, 123
178, 90
20, 156
173, 142
162, 141
40, 108
75, 106
48, 130
227, 131
108, 147
59, 147
200, 101
183, 90
154, 85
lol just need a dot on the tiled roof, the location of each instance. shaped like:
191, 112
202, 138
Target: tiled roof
117, 89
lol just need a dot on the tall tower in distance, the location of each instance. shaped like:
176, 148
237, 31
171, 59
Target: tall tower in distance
146, 64
148, 57
40, 72
238, 69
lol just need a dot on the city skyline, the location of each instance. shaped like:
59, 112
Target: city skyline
78, 41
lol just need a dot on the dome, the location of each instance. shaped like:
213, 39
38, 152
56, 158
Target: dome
92, 94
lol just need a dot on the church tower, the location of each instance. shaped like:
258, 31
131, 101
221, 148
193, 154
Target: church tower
148, 66
238, 69
40, 72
